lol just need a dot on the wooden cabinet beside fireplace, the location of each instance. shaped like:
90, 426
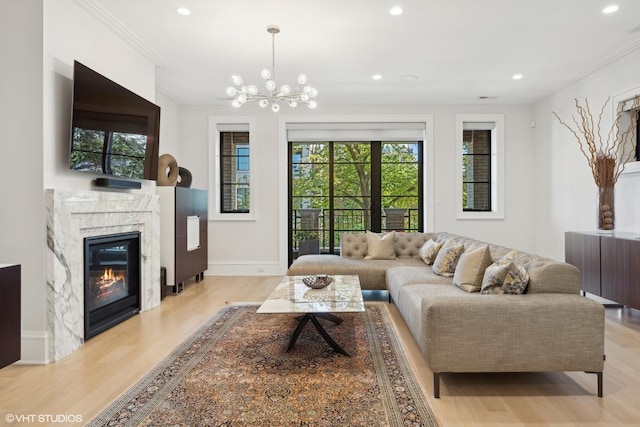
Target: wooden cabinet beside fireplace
183, 234
609, 265
9, 314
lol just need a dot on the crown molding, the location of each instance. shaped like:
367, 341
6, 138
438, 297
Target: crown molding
113, 24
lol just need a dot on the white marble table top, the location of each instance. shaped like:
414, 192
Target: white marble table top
343, 295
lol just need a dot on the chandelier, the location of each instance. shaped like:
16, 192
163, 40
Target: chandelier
273, 95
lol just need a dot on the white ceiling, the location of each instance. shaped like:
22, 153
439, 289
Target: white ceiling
459, 50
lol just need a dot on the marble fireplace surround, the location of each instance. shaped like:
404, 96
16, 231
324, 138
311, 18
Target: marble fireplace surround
72, 216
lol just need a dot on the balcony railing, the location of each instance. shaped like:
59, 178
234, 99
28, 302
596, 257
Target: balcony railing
311, 224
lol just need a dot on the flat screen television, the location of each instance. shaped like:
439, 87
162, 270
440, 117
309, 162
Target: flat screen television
113, 131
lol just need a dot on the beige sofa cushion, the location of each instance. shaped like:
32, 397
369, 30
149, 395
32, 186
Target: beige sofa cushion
381, 246
470, 269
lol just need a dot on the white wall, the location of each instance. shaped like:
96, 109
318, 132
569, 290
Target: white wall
22, 225
241, 247
565, 188
169, 135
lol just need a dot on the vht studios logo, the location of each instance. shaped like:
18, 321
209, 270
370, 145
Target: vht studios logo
44, 418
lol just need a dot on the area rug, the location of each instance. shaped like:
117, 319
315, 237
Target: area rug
235, 371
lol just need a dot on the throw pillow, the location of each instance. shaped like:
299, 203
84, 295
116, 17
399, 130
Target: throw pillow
505, 276
447, 259
381, 246
470, 269
429, 250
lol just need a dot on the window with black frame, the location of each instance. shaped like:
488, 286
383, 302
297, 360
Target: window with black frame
235, 172
476, 170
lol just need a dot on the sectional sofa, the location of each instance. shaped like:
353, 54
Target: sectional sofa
530, 318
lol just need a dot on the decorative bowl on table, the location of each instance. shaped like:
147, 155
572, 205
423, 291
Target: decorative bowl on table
317, 282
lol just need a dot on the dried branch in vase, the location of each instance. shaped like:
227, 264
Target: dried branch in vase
606, 156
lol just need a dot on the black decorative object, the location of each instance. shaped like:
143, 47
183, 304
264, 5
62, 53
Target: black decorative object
184, 177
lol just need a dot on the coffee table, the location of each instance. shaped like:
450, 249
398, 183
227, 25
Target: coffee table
293, 296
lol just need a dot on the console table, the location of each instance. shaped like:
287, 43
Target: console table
609, 264
9, 314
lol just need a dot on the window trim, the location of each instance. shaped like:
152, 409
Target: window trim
229, 123
497, 165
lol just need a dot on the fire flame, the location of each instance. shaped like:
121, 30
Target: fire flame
108, 278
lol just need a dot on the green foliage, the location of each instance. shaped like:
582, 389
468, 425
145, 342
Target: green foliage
352, 176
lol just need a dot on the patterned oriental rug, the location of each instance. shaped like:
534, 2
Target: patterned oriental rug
235, 371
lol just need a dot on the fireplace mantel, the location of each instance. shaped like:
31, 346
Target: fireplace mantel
72, 216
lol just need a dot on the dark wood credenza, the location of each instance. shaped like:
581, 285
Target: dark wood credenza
9, 314
182, 260
609, 264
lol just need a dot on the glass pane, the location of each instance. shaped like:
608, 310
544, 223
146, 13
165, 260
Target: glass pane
399, 180
310, 186
476, 197
352, 152
352, 188
476, 168
235, 197
476, 142
406, 152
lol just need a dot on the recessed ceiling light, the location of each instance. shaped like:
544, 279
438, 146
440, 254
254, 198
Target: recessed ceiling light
611, 8
517, 76
183, 11
409, 77
396, 11
377, 77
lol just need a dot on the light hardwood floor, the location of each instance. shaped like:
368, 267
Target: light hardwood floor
85, 382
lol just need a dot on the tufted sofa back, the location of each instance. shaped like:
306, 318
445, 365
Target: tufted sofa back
407, 245
545, 275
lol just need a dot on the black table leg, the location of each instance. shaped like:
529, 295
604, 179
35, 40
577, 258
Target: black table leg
313, 318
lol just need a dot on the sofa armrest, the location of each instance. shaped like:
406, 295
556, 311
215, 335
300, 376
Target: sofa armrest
513, 333
552, 277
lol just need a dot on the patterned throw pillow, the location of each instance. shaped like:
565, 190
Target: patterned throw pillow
381, 246
429, 250
505, 276
447, 259
470, 269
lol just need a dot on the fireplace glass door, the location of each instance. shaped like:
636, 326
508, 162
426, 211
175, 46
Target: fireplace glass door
112, 280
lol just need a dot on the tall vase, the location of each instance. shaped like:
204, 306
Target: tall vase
606, 216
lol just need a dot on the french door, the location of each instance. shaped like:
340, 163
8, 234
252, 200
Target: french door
340, 186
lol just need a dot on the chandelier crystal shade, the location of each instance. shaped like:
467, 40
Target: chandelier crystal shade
273, 95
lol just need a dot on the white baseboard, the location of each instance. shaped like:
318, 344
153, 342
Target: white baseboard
245, 269
33, 350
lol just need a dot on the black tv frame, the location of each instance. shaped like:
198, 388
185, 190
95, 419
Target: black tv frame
96, 98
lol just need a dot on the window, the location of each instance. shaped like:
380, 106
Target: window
476, 170
479, 186
232, 168
234, 172
353, 176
